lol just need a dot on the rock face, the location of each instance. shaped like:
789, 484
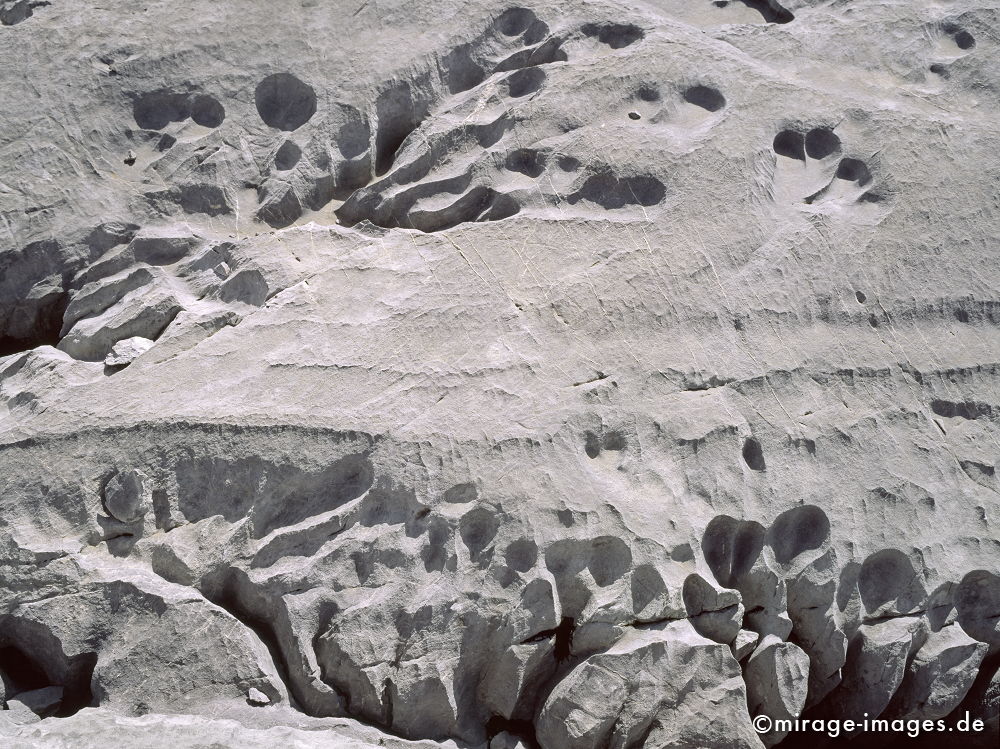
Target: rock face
127, 496
482, 374
125, 352
655, 686
777, 679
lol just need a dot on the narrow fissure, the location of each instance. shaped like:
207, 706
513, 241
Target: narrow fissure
225, 597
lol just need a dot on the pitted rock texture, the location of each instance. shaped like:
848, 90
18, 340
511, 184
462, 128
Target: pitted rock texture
552, 375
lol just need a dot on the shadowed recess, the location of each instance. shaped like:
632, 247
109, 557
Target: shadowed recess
888, 581
798, 530
769, 10
821, 142
611, 192
615, 35
32, 658
753, 454
853, 170
705, 97
400, 109
731, 547
978, 603
284, 102
790, 144
157, 109
287, 156
526, 81
527, 161
207, 111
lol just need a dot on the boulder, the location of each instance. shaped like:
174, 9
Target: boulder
666, 686
125, 352
127, 495
939, 675
777, 679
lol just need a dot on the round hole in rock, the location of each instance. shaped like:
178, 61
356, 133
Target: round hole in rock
753, 455
287, 156
535, 33
284, 102
522, 554
514, 21
615, 35
860, 296
207, 111
790, 144
634, 116
888, 577
977, 602
611, 192
155, 110
821, 142
795, 531
478, 528
648, 93
526, 161
525, 82
731, 547
964, 40
568, 163
705, 97
854, 170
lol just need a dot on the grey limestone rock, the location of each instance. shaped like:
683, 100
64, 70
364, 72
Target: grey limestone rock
777, 677
939, 676
497, 374
127, 495
257, 698
125, 352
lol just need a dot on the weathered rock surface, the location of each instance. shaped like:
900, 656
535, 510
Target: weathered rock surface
483, 374
777, 677
125, 352
939, 676
656, 686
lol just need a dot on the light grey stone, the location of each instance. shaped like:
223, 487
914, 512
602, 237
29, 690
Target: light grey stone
507, 371
744, 644
257, 698
777, 676
939, 676
125, 352
659, 684
127, 495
